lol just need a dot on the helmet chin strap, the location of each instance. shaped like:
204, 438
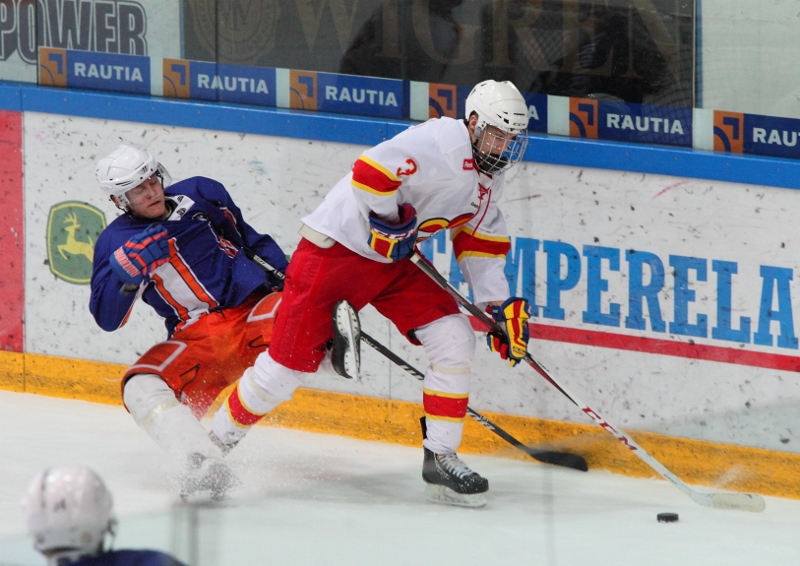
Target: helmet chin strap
120, 205
109, 536
66, 556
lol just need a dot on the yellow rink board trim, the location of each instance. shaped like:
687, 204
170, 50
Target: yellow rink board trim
718, 466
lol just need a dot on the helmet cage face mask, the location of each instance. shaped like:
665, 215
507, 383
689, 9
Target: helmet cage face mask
491, 163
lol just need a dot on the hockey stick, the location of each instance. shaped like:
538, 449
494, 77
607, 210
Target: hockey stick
717, 500
264, 265
566, 459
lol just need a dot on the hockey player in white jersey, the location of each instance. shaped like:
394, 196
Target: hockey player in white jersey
442, 174
70, 514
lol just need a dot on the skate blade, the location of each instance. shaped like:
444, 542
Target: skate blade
349, 327
205, 492
208, 496
196, 497
446, 496
209, 500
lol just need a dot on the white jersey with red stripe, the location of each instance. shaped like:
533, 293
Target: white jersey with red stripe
431, 166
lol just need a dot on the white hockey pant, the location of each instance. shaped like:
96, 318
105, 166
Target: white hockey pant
155, 409
450, 345
262, 388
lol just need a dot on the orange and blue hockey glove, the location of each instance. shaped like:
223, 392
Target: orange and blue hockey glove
394, 241
512, 315
140, 255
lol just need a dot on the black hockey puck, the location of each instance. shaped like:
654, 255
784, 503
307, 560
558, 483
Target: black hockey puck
667, 517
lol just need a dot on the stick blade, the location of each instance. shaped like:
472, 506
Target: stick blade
730, 500
565, 459
738, 501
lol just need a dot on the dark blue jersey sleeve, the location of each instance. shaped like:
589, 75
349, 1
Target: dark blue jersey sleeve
129, 558
111, 301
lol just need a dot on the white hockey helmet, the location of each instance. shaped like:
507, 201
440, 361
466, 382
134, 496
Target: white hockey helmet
126, 168
501, 105
69, 509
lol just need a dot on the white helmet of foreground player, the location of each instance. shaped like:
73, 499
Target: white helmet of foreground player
126, 168
69, 511
501, 130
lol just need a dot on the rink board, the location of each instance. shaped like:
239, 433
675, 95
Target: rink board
588, 220
728, 467
12, 284
709, 355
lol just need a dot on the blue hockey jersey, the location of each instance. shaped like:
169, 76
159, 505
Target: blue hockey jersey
128, 558
207, 270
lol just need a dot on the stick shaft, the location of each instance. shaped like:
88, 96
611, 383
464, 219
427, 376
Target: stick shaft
547, 456
264, 265
730, 501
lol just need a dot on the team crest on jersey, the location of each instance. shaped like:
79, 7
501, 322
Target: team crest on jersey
433, 225
72, 230
461, 219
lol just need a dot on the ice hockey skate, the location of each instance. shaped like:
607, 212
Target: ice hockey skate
450, 481
210, 475
346, 351
225, 448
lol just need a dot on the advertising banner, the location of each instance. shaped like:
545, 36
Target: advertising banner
94, 71
757, 135
113, 27
226, 83
639, 123
328, 92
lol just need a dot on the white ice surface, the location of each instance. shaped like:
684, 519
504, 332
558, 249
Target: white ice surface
330, 500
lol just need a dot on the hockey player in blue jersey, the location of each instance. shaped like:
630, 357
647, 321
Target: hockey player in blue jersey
70, 515
185, 249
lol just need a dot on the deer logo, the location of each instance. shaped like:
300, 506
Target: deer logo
72, 230
73, 246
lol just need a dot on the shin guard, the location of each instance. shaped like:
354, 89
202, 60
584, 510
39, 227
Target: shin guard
262, 388
450, 345
172, 426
